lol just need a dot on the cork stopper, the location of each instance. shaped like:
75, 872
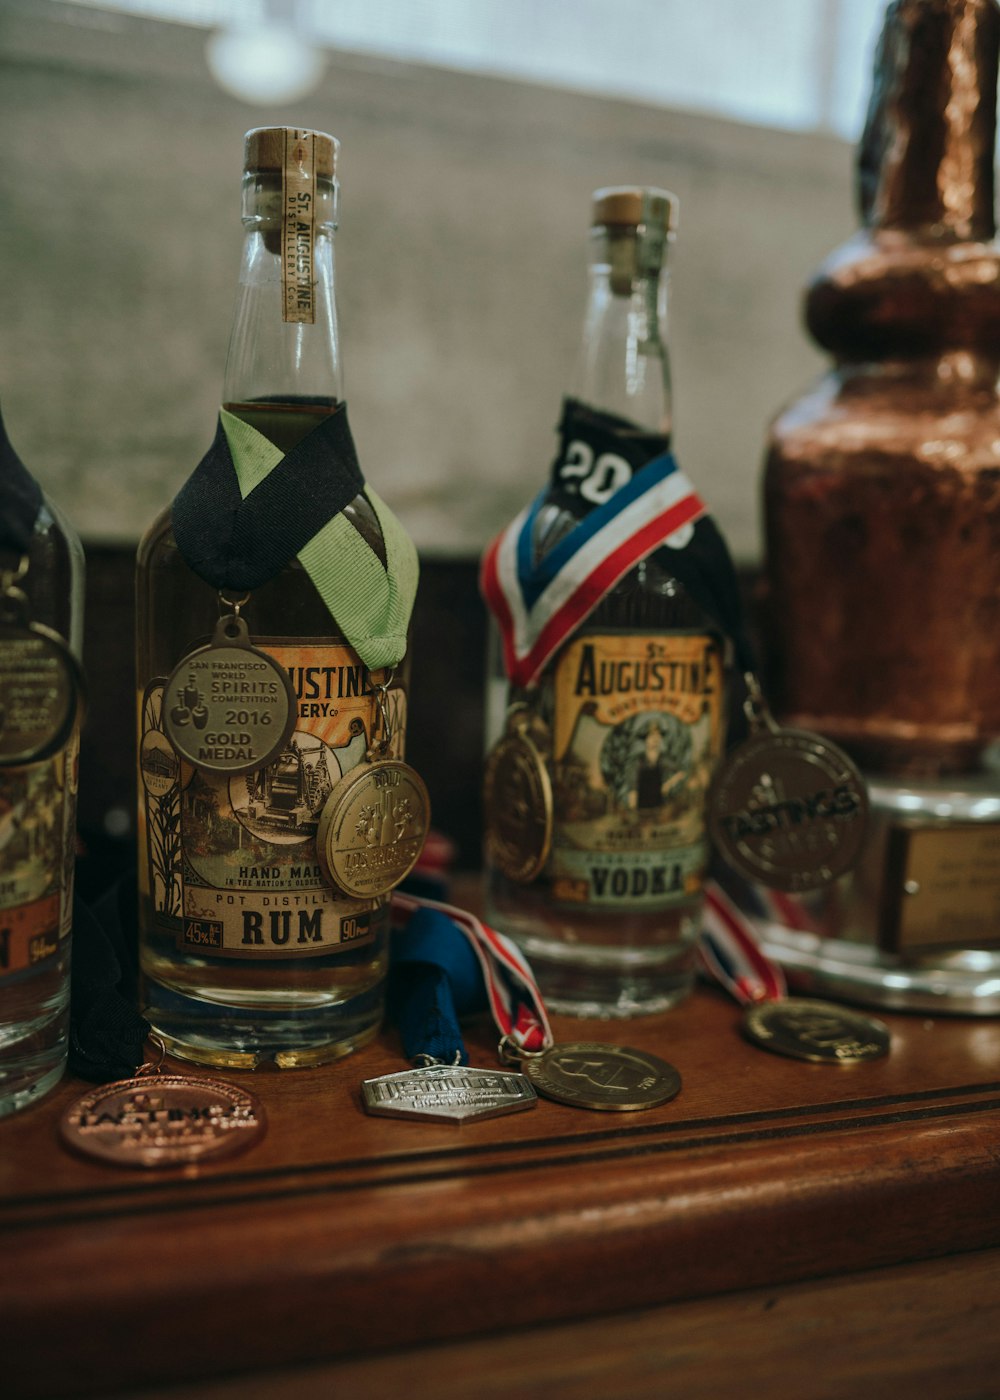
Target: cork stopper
264, 149
632, 206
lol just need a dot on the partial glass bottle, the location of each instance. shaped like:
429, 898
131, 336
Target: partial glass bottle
248, 955
626, 722
41, 703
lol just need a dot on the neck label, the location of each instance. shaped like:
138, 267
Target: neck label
298, 230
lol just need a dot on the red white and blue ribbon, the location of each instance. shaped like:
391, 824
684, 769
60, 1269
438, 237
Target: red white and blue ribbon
729, 952
539, 605
512, 993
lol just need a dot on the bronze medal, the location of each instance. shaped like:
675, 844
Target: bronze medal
517, 798
372, 827
41, 685
787, 808
163, 1120
229, 707
818, 1031
589, 1074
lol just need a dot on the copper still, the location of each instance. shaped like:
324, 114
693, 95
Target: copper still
881, 588
882, 484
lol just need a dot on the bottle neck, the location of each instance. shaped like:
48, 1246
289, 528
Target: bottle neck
295, 365
624, 367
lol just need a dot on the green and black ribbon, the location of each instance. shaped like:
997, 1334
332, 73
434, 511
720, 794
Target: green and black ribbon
248, 509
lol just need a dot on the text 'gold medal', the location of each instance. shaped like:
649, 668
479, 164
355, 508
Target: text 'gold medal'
229, 707
517, 798
41, 684
374, 823
787, 808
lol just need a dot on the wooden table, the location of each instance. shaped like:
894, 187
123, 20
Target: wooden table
715, 1243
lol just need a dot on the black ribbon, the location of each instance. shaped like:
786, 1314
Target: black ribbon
239, 544
106, 1031
704, 566
20, 498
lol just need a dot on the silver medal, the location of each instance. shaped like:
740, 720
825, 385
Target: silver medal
448, 1094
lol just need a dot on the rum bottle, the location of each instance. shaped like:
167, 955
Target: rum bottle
250, 953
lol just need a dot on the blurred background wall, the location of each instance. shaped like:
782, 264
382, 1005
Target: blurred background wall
461, 267
461, 258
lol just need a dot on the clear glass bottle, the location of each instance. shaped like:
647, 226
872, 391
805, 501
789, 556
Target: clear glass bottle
235, 850
609, 924
37, 824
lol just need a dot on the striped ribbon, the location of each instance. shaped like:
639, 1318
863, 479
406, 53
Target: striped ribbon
538, 605
729, 952
514, 998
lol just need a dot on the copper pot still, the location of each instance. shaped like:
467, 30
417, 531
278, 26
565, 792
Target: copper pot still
881, 585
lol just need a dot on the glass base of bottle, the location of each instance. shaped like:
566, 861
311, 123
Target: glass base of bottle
608, 966
905, 929
33, 1046
240, 1037
963, 983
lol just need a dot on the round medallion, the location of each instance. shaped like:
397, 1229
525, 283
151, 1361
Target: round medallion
818, 1031
163, 1120
517, 798
589, 1074
40, 690
229, 707
372, 827
788, 808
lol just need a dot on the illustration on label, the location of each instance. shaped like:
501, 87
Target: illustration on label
233, 867
637, 730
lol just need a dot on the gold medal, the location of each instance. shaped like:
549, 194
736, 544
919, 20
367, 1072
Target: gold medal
228, 707
374, 823
41, 684
816, 1030
613, 1078
787, 808
517, 798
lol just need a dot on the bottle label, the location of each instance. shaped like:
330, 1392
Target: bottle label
232, 860
37, 839
637, 731
298, 227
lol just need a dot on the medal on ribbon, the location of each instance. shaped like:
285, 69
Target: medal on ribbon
787, 808
247, 510
374, 823
445, 964
463, 962
801, 1028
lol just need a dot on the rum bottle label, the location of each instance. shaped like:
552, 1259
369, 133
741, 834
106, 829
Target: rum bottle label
232, 858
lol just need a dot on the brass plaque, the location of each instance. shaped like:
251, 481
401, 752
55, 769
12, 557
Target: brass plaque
942, 887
